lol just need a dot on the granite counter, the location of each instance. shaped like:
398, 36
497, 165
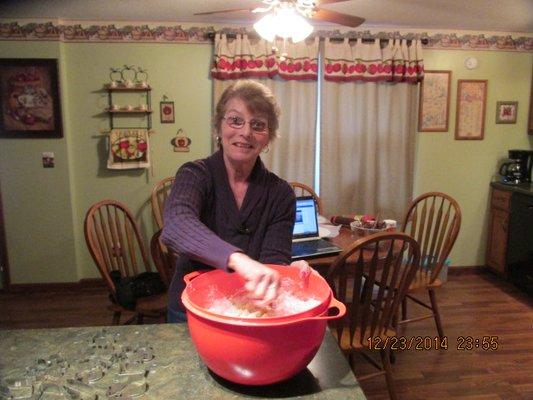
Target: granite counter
146, 362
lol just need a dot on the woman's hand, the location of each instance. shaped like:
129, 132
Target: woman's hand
262, 283
305, 272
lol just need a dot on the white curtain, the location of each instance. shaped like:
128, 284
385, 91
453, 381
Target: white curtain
368, 133
291, 75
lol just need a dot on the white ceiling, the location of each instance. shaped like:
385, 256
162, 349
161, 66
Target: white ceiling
477, 15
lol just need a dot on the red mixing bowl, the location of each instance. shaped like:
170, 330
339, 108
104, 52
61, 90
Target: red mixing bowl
256, 351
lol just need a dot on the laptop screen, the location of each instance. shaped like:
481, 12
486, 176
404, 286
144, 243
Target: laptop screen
305, 224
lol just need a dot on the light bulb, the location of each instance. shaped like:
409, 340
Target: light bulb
284, 22
300, 29
265, 28
289, 24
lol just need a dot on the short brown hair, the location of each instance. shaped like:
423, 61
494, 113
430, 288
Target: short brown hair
258, 99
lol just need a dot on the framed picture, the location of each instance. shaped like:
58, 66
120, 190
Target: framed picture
29, 99
434, 101
166, 109
506, 112
471, 107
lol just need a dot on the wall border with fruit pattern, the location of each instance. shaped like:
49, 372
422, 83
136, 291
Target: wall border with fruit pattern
145, 33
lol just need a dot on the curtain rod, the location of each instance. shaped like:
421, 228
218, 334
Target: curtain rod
211, 35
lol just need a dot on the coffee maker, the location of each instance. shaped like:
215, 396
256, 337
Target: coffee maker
525, 160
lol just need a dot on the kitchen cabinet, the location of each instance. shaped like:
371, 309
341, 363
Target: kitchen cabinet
510, 236
498, 228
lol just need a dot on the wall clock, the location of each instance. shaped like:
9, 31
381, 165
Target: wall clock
470, 62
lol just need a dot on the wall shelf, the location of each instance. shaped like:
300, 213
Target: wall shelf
128, 111
123, 88
123, 113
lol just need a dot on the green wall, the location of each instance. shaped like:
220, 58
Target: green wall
44, 208
37, 201
464, 168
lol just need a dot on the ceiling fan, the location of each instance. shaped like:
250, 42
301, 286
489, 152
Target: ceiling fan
287, 18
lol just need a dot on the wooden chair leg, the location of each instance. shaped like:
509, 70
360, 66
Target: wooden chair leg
404, 309
436, 314
385, 354
392, 357
116, 317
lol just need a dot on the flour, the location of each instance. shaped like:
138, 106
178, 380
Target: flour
287, 303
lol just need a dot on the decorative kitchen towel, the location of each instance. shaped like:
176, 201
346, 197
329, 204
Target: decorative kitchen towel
128, 149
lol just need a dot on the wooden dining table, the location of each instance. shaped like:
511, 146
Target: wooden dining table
344, 240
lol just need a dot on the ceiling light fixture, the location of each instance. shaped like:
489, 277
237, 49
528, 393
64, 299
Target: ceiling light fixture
286, 20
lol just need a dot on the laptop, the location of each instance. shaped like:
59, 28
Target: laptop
306, 242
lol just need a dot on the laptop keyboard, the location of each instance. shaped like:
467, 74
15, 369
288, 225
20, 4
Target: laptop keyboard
310, 246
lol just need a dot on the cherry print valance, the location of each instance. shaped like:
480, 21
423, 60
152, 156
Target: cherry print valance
368, 62
242, 58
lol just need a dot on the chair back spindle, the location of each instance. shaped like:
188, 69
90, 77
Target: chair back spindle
372, 285
163, 259
160, 193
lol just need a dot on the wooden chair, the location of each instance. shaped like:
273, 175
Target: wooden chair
372, 292
301, 189
372, 285
159, 196
116, 244
434, 220
163, 259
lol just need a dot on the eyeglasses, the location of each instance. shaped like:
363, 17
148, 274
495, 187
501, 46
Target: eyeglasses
236, 122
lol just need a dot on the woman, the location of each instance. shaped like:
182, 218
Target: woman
227, 210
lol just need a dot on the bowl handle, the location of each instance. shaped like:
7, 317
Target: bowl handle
190, 276
334, 303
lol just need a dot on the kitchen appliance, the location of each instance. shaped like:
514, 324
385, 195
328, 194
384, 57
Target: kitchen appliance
256, 351
512, 172
525, 159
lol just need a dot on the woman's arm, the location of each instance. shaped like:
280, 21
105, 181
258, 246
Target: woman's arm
183, 231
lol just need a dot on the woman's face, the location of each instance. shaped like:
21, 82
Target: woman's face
243, 134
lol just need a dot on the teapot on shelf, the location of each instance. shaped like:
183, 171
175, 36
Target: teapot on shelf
511, 172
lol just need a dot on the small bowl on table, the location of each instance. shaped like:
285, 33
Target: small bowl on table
363, 232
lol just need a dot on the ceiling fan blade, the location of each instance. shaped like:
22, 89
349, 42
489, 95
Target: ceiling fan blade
337, 18
225, 11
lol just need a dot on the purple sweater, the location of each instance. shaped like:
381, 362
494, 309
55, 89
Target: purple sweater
204, 226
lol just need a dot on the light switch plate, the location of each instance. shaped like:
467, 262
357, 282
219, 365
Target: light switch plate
48, 159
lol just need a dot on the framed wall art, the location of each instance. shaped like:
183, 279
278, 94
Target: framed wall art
29, 99
506, 112
434, 101
166, 109
471, 107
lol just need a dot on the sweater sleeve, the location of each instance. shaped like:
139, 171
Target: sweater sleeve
183, 231
277, 245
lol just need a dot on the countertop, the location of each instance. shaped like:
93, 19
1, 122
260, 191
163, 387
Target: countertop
154, 361
524, 188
